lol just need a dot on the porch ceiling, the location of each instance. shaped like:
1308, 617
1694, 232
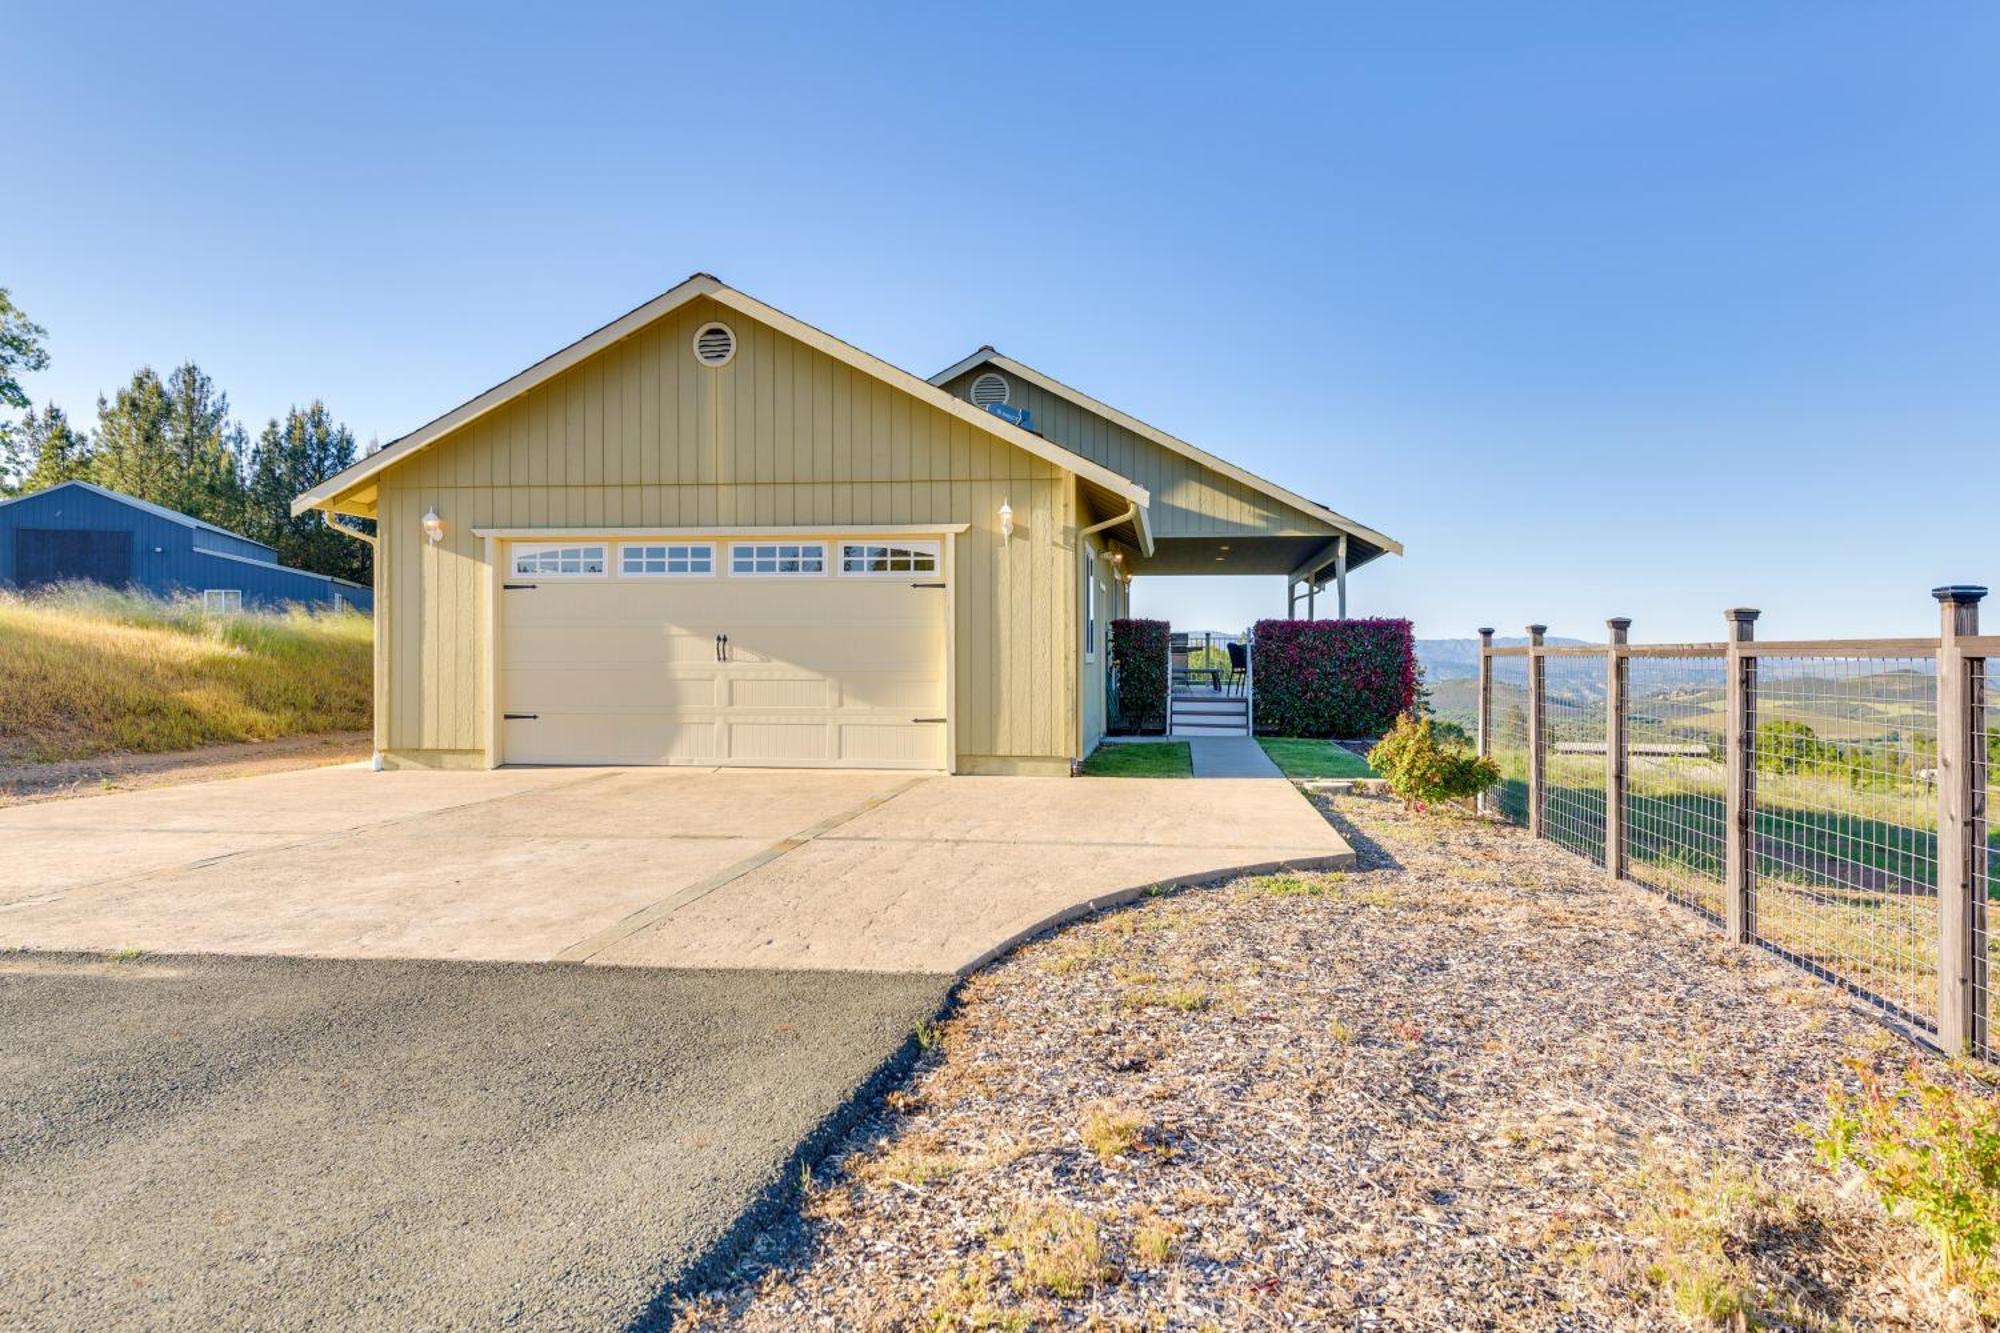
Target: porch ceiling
1238, 554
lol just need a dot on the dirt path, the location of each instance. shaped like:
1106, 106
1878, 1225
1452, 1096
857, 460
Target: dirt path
21, 784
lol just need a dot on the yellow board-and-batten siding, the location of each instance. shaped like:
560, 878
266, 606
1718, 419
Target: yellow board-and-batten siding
640, 436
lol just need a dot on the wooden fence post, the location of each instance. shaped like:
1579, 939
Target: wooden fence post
1739, 901
1538, 678
1485, 707
1616, 727
1961, 818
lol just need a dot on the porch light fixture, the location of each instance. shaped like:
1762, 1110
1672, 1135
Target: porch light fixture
1006, 521
433, 527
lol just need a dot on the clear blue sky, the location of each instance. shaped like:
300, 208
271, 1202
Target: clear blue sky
1601, 309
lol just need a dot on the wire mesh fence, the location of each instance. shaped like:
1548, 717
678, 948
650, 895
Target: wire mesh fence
1675, 778
1573, 749
1509, 744
1791, 793
1844, 754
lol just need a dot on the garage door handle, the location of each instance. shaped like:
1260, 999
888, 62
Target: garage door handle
722, 647
520, 717
515, 587
926, 719
927, 585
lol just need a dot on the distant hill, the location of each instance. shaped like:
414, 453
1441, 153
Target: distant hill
1444, 659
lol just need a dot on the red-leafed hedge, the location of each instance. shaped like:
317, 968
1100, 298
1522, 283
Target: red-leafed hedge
1139, 657
1339, 678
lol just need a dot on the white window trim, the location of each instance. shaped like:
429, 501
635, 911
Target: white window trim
1090, 604
225, 594
714, 561
520, 549
934, 550
825, 559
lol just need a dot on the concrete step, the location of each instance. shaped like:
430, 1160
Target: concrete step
1210, 729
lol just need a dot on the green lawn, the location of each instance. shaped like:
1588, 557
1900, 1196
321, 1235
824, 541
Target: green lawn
1161, 759
1299, 758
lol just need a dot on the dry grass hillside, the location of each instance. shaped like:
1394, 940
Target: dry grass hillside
88, 671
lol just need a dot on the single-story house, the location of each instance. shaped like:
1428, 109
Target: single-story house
709, 533
77, 531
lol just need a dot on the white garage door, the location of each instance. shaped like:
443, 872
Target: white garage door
787, 653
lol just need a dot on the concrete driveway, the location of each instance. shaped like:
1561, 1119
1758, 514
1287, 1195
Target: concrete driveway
642, 867
524, 1048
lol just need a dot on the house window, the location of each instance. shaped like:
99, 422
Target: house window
340, 602
673, 560
889, 558
227, 600
780, 558
575, 561
1089, 604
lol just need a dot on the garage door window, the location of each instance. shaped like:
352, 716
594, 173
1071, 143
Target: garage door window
778, 558
575, 561
897, 558
673, 560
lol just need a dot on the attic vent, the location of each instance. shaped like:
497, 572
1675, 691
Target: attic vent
714, 344
988, 389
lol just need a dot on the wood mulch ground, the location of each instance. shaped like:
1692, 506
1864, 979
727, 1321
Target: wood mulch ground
1468, 1085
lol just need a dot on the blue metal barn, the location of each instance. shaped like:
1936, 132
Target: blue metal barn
81, 532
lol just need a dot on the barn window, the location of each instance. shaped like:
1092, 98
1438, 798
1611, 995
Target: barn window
780, 558
889, 558
229, 601
672, 560
575, 560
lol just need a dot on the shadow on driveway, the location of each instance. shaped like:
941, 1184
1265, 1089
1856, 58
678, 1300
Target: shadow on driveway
193, 1141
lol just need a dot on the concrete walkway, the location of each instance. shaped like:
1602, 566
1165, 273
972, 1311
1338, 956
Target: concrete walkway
738, 868
1230, 757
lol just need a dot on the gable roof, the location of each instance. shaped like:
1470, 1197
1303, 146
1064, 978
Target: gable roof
333, 488
157, 511
1174, 444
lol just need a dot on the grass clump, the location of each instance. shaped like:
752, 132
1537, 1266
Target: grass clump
1060, 1251
1184, 999
89, 671
1297, 886
1931, 1153
1303, 760
1164, 759
1155, 1242
1110, 1132
1695, 1228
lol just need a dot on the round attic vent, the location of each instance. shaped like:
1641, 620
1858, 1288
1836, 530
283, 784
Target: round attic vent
714, 344
989, 388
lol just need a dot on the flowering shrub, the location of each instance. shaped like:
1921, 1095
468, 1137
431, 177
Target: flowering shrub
1421, 769
1139, 657
1338, 678
1931, 1151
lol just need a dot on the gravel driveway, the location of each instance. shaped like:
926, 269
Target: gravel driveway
201, 1142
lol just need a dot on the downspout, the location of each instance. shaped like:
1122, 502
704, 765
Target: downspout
326, 517
1083, 544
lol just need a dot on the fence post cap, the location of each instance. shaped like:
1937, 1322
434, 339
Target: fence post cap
1485, 631
1619, 622
1961, 593
1538, 629
1742, 615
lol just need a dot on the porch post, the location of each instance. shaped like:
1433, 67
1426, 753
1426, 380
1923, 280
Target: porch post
1312, 596
1340, 572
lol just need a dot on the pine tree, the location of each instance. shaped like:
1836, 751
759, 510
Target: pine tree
132, 454
291, 458
54, 450
203, 447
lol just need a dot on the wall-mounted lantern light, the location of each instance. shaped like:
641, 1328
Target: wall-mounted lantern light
433, 527
1006, 520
